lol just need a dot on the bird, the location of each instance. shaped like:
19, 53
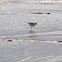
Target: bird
31, 25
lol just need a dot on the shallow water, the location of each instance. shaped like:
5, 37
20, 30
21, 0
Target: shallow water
30, 52
15, 15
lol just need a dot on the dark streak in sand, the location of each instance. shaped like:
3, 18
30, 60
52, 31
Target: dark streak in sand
59, 41
41, 13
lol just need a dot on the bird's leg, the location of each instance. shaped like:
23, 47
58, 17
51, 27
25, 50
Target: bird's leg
31, 28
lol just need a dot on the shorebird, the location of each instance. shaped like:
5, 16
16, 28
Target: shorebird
32, 25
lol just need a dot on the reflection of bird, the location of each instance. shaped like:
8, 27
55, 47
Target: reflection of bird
32, 25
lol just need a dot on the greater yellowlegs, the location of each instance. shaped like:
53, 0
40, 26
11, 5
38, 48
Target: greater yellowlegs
32, 25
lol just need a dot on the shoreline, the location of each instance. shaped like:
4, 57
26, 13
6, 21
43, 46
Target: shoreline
21, 40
